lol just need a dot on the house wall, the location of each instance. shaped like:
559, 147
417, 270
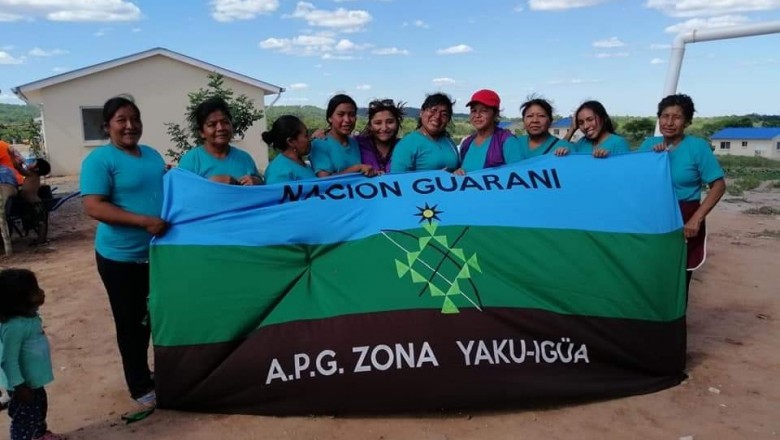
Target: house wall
767, 148
159, 86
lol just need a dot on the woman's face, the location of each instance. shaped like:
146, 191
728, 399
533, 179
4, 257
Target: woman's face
343, 119
482, 117
589, 123
672, 122
301, 142
217, 130
536, 120
125, 127
434, 119
384, 126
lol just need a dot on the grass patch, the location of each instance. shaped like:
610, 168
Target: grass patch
747, 161
737, 200
749, 182
764, 210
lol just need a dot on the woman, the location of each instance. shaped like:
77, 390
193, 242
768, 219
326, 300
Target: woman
490, 146
339, 153
216, 159
380, 136
537, 117
692, 164
599, 134
122, 188
289, 136
430, 146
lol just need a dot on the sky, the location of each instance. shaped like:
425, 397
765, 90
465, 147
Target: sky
568, 51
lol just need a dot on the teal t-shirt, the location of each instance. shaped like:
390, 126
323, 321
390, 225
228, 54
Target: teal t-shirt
477, 153
236, 164
284, 169
330, 156
526, 152
692, 163
134, 184
613, 143
26, 355
417, 152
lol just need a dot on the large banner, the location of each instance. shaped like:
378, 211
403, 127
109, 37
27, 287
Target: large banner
557, 279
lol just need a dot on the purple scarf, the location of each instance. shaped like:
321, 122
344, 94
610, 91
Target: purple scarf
495, 153
369, 154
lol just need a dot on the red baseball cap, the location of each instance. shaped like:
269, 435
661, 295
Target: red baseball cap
485, 97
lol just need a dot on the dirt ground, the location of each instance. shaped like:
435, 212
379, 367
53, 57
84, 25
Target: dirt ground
734, 356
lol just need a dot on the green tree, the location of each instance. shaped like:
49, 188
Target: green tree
637, 129
27, 132
242, 109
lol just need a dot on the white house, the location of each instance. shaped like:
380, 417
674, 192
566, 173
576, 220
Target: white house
561, 126
763, 141
159, 81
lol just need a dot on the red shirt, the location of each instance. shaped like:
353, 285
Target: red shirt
7, 159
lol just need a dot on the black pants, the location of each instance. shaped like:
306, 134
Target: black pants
127, 285
28, 420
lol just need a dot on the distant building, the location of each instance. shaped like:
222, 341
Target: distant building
559, 128
763, 142
159, 81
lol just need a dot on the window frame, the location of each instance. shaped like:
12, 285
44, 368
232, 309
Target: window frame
98, 111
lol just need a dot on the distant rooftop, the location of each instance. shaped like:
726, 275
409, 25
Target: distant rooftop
754, 133
562, 123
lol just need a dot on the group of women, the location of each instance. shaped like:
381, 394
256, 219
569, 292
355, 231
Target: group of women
121, 182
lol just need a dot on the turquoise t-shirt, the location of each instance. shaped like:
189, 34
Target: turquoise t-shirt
613, 143
477, 153
134, 184
26, 355
330, 156
284, 169
417, 152
237, 164
527, 152
692, 163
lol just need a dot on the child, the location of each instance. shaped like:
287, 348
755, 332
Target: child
25, 360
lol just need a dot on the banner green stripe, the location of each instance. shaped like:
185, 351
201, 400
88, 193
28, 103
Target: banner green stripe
613, 275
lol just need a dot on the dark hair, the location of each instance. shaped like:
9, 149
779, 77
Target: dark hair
434, 100
16, 287
337, 101
597, 108
385, 105
284, 128
200, 113
684, 101
543, 103
114, 104
42, 167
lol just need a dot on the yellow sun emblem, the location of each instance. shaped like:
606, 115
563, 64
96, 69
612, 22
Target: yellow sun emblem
428, 213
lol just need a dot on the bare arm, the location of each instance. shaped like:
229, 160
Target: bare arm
717, 189
99, 208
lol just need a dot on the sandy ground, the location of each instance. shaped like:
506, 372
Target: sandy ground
734, 356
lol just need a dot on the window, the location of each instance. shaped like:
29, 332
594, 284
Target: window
92, 121
778, 146
557, 132
725, 145
744, 144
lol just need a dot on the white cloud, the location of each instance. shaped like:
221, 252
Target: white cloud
59, 69
323, 45
611, 55
421, 24
707, 23
698, 8
38, 52
7, 58
561, 5
657, 61
341, 19
762, 62
572, 81
609, 42
390, 51
363, 87
444, 81
461, 48
298, 86
10, 99
101, 32
518, 8
6, 17
70, 10
230, 10
657, 46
